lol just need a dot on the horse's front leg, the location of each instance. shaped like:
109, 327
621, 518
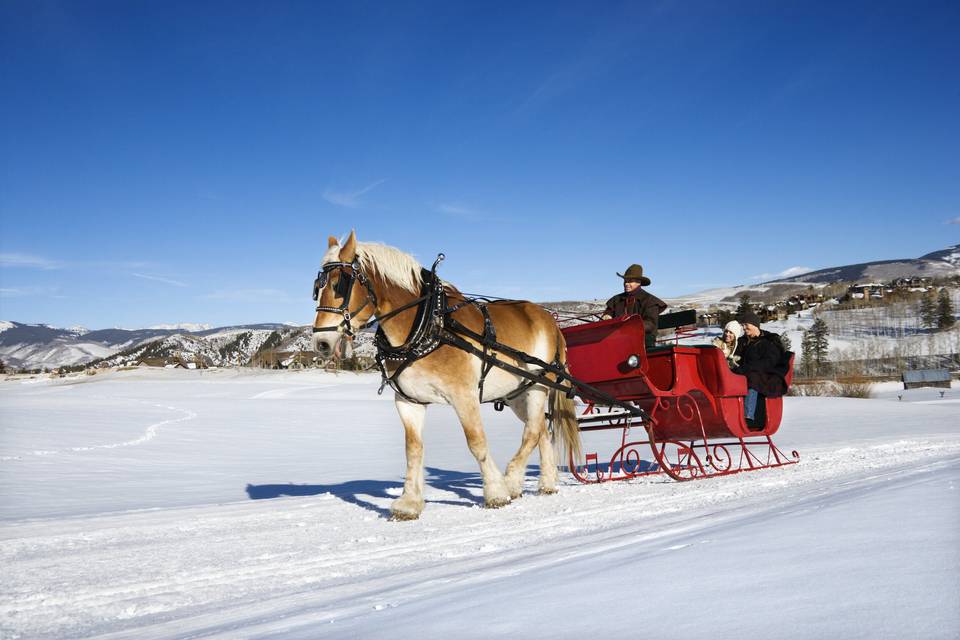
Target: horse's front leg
410, 504
495, 492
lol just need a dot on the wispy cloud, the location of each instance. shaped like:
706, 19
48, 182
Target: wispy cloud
350, 199
954, 221
786, 273
31, 261
248, 295
458, 210
25, 292
27, 261
175, 283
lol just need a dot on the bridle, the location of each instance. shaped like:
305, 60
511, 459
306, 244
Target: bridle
349, 271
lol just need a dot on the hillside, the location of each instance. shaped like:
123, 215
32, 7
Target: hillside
939, 264
42, 346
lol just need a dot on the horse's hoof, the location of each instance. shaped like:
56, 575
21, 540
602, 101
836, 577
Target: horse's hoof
544, 491
405, 510
496, 503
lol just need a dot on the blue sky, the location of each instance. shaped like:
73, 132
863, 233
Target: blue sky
185, 161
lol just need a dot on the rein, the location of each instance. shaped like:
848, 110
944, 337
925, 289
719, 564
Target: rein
434, 326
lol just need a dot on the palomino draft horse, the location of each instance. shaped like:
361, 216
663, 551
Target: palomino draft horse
361, 280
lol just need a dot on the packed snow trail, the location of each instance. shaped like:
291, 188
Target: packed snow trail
315, 556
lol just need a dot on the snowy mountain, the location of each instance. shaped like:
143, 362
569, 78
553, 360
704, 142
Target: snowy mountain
939, 264
185, 326
40, 346
35, 346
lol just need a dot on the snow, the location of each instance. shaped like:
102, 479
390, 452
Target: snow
54, 354
183, 326
5, 324
160, 503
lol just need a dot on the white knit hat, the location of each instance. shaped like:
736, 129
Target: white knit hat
735, 328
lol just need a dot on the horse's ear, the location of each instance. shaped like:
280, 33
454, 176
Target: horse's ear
349, 251
332, 242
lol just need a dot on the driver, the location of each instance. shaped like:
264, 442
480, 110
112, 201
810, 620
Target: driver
634, 300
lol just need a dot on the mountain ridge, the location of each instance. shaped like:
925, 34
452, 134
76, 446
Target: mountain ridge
35, 346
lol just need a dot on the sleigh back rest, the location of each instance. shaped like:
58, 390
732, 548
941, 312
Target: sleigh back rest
716, 373
662, 366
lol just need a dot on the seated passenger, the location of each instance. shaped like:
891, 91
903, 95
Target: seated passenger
762, 361
635, 300
727, 343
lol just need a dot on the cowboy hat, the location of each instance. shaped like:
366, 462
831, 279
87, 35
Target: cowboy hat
635, 272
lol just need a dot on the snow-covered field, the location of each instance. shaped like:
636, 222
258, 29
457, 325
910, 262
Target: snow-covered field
238, 504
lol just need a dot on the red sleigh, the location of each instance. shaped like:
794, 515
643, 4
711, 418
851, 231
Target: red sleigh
693, 424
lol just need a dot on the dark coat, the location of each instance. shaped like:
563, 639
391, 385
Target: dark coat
644, 304
765, 363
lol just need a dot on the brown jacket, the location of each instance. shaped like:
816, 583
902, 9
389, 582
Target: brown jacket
647, 305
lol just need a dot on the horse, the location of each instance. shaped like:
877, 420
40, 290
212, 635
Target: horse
389, 283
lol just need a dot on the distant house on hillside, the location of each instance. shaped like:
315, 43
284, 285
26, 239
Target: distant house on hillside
271, 359
867, 290
161, 362
913, 283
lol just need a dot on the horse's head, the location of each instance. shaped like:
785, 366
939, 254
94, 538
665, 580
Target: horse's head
345, 299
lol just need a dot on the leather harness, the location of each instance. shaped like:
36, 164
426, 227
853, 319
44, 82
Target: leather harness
434, 326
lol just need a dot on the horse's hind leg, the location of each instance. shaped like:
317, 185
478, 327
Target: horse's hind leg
548, 464
410, 504
529, 408
495, 492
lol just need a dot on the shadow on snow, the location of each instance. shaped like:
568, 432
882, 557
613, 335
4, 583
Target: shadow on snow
467, 487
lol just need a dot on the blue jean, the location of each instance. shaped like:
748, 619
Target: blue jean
750, 403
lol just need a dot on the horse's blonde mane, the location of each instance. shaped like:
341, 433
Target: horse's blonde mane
391, 265
386, 263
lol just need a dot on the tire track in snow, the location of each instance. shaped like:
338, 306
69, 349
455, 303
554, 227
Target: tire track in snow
283, 392
149, 434
351, 595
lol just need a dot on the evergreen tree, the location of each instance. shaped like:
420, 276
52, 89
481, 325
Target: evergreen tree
785, 341
807, 362
928, 310
744, 304
724, 316
819, 345
945, 314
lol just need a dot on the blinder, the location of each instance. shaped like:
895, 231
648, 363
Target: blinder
349, 271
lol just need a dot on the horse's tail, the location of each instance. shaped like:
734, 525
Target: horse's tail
566, 431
